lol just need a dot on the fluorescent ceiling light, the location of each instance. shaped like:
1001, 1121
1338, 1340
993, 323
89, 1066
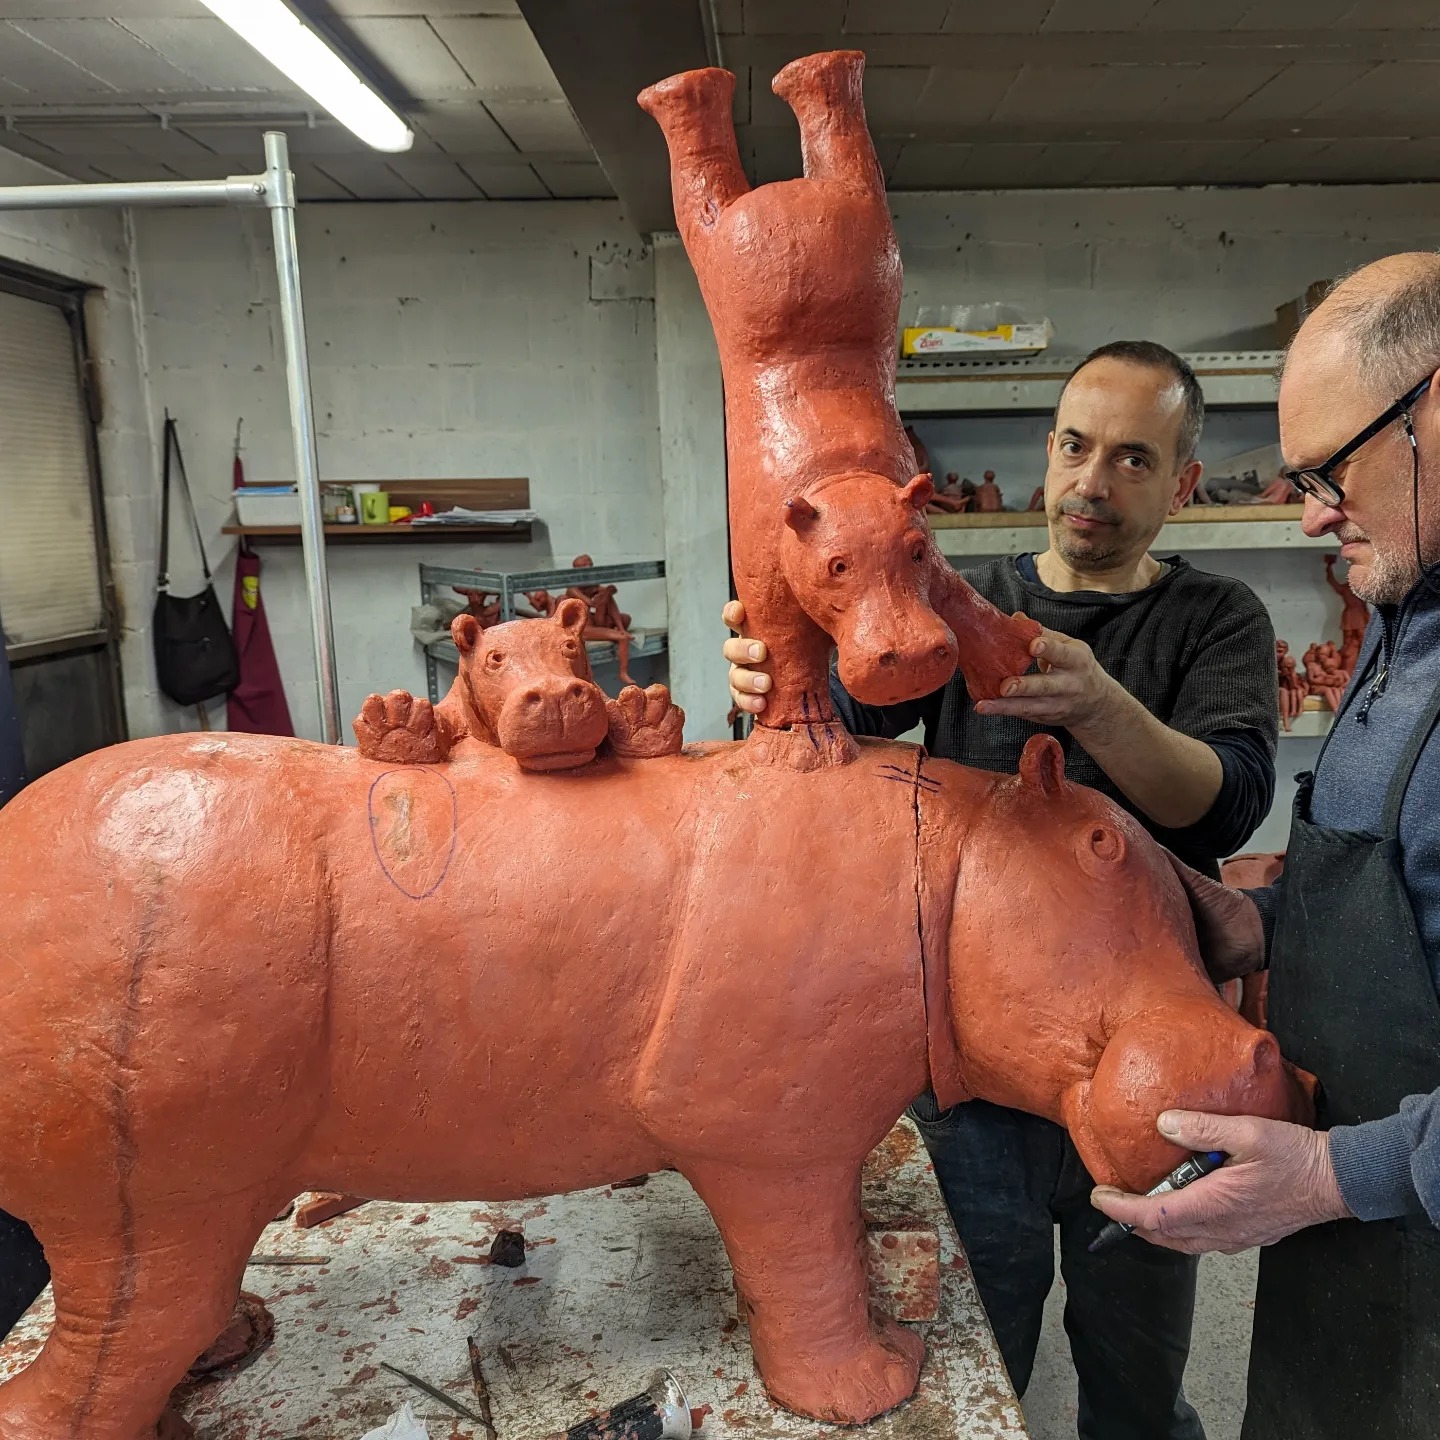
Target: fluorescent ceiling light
300, 53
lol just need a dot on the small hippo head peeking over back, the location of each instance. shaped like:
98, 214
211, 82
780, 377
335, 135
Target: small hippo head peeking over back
528, 689
857, 555
1076, 989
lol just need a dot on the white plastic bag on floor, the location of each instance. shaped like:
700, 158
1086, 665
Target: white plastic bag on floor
402, 1425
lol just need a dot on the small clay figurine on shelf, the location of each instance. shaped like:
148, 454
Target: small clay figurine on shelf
1324, 673
1037, 499
988, 499
1293, 688
950, 499
606, 620
1354, 619
1278, 492
484, 605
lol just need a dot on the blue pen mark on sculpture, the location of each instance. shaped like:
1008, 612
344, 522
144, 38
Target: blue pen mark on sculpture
414, 773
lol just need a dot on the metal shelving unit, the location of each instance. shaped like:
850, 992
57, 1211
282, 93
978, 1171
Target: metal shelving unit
994, 385
510, 584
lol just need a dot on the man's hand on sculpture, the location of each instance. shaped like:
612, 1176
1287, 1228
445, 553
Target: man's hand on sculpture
1071, 689
747, 687
1277, 1179
1227, 924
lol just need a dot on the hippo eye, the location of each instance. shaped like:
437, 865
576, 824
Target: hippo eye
1106, 844
918, 554
570, 647
838, 566
494, 659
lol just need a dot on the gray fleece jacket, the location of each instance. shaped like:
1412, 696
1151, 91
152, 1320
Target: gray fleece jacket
1391, 1166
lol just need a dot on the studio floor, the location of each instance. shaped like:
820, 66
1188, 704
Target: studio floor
1219, 1354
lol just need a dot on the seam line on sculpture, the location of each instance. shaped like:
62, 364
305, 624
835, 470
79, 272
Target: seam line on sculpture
123, 1135
920, 914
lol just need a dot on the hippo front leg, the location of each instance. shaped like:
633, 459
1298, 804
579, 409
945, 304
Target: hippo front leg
993, 646
796, 1244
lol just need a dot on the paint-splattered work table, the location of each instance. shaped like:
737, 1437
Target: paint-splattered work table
616, 1283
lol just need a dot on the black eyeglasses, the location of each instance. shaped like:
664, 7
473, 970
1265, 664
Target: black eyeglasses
1317, 481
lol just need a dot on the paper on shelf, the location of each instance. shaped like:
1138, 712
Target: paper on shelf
458, 515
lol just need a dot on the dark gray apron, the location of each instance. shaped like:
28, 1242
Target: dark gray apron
1347, 1317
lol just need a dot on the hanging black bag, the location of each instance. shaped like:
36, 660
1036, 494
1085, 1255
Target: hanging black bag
195, 655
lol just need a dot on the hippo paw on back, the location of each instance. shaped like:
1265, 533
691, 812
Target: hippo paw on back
645, 724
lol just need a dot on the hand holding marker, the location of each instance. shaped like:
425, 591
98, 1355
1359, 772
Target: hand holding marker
1186, 1173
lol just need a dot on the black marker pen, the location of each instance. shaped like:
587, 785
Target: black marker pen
1185, 1173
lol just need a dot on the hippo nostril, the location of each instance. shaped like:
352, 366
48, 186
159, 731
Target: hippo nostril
577, 691
888, 658
533, 697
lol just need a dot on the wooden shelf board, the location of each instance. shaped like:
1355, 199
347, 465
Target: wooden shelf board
387, 532
1190, 515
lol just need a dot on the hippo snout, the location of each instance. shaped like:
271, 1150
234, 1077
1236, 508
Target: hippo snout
553, 723
1188, 1054
914, 662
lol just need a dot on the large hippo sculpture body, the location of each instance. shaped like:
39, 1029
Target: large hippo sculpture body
801, 278
258, 966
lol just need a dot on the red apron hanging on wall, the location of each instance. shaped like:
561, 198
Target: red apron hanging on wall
257, 703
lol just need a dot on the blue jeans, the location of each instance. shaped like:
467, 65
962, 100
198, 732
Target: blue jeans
1008, 1179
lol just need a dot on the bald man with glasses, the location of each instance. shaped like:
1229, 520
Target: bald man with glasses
1347, 1317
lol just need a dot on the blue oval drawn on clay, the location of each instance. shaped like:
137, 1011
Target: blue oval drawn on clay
413, 834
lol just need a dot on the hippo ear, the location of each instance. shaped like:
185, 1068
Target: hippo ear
465, 632
919, 492
1042, 764
571, 614
799, 512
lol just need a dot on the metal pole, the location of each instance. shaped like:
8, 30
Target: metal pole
237, 190
279, 195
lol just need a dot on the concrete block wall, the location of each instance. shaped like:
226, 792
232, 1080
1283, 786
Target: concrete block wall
1195, 269
447, 341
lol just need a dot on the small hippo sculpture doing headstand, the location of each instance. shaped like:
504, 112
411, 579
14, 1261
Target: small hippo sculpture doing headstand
233, 968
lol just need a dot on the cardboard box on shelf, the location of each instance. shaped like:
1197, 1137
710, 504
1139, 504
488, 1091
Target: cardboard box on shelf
949, 340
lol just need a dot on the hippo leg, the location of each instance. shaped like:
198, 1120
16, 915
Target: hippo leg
134, 1306
1076, 1116
826, 93
796, 1244
694, 110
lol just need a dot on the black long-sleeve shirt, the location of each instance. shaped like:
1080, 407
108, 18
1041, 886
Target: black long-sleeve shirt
1196, 650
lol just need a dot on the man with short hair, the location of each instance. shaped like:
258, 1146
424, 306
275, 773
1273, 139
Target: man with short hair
1159, 681
1347, 1317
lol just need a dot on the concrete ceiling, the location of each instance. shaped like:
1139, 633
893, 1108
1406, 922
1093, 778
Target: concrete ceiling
971, 94
160, 89
516, 99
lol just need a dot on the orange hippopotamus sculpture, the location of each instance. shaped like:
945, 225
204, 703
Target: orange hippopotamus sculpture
258, 966
524, 687
829, 541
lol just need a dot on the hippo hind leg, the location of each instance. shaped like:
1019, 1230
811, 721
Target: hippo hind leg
796, 1243
134, 1306
826, 93
694, 111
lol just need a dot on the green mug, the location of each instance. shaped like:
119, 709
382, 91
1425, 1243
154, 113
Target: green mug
375, 507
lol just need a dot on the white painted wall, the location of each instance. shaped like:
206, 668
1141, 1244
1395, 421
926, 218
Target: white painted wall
447, 341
